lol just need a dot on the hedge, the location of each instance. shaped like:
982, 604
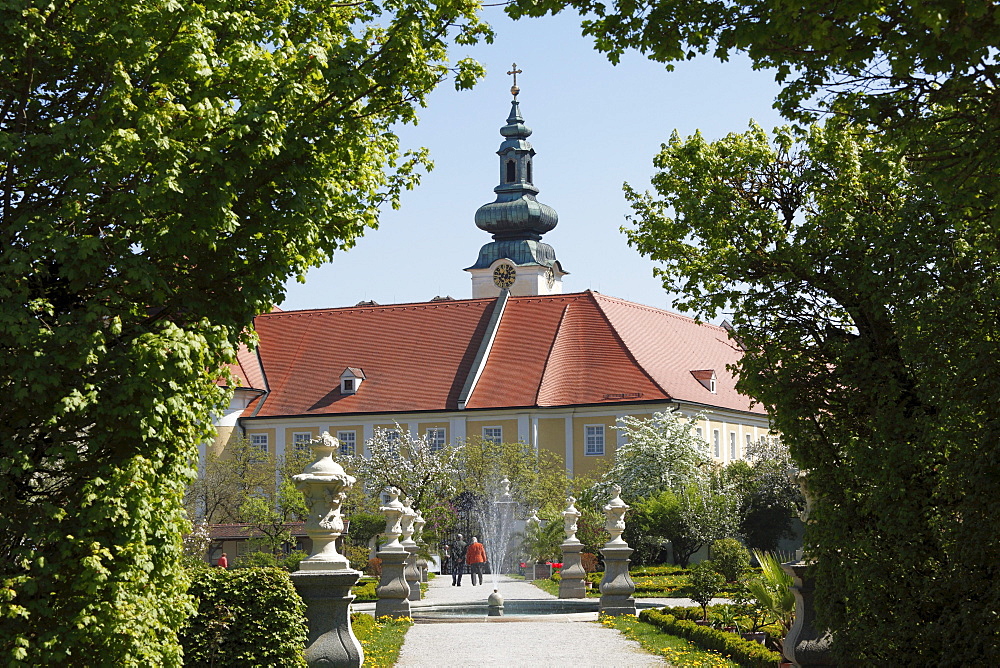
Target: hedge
746, 653
245, 617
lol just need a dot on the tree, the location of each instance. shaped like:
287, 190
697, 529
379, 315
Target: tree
706, 583
769, 497
399, 459
165, 168
537, 478
227, 480
866, 311
659, 453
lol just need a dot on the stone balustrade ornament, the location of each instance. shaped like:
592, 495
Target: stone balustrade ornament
325, 578
573, 578
418, 530
393, 590
616, 586
614, 514
324, 484
570, 516
411, 571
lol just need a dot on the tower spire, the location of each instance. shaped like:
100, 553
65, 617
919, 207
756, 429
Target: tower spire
516, 259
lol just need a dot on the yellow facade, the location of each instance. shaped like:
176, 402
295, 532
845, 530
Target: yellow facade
588, 465
552, 436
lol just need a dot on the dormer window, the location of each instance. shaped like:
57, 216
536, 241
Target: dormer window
351, 380
707, 378
511, 172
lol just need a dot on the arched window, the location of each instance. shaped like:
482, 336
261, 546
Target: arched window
511, 171
529, 172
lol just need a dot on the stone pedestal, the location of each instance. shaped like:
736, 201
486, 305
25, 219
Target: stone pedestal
573, 582
327, 595
393, 590
617, 586
805, 645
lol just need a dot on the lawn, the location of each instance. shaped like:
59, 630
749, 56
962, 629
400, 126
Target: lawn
381, 639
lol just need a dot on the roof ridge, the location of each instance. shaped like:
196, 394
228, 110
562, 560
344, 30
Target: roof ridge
656, 309
378, 307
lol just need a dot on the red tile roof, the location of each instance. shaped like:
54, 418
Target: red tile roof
557, 350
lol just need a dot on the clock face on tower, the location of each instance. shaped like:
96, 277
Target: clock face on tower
503, 276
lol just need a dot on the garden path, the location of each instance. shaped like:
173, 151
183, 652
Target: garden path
539, 642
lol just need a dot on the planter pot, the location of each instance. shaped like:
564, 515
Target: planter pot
731, 629
760, 636
702, 622
542, 572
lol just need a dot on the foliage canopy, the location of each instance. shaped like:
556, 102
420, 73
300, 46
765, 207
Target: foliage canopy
165, 167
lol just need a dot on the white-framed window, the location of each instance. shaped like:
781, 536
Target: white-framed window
348, 442
493, 434
716, 443
348, 385
699, 432
732, 445
436, 438
301, 440
392, 435
259, 441
593, 435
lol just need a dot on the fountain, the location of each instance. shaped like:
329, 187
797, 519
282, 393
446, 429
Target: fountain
325, 578
496, 521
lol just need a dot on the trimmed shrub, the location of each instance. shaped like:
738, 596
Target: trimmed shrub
374, 567
245, 617
746, 653
730, 558
365, 591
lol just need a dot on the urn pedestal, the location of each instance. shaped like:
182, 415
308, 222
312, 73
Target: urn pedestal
327, 595
805, 645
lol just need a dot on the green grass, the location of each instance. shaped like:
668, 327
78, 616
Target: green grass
677, 651
380, 638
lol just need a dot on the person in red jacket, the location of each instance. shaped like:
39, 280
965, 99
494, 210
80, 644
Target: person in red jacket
475, 556
223, 561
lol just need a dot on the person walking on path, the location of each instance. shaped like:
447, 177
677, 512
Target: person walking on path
475, 556
457, 552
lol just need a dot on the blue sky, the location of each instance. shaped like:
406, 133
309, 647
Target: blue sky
595, 126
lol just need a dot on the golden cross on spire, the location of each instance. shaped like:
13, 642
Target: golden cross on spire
514, 90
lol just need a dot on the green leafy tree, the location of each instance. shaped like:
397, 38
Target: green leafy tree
882, 316
537, 478
730, 558
165, 167
860, 298
705, 583
769, 497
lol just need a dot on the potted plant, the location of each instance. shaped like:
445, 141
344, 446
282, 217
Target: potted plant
541, 543
772, 592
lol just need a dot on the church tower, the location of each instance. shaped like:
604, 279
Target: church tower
517, 259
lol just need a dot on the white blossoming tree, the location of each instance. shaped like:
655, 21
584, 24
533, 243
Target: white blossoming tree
678, 494
660, 453
400, 459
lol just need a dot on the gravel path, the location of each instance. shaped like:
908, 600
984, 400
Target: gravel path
556, 641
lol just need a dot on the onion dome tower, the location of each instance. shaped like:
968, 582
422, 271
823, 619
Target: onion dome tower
517, 259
